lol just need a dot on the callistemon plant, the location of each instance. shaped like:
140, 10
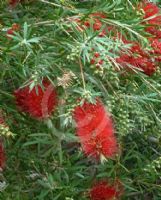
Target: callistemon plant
80, 100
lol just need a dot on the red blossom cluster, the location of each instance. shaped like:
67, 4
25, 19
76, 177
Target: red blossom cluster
96, 60
145, 60
39, 102
95, 130
15, 27
137, 57
151, 13
95, 21
105, 191
153, 21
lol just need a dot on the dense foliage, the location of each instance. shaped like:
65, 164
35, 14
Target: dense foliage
80, 100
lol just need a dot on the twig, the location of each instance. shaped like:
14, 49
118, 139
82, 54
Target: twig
82, 74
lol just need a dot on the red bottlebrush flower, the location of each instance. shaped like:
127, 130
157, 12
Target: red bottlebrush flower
156, 52
95, 129
154, 31
38, 102
155, 20
105, 191
156, 45
158, 59
150, 9
137, 58
137, 49
2, 156
151, 13
145, 64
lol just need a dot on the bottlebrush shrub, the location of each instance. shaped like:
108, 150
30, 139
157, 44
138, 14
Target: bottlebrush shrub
116, 39
102, 190
40, 102
95, 129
